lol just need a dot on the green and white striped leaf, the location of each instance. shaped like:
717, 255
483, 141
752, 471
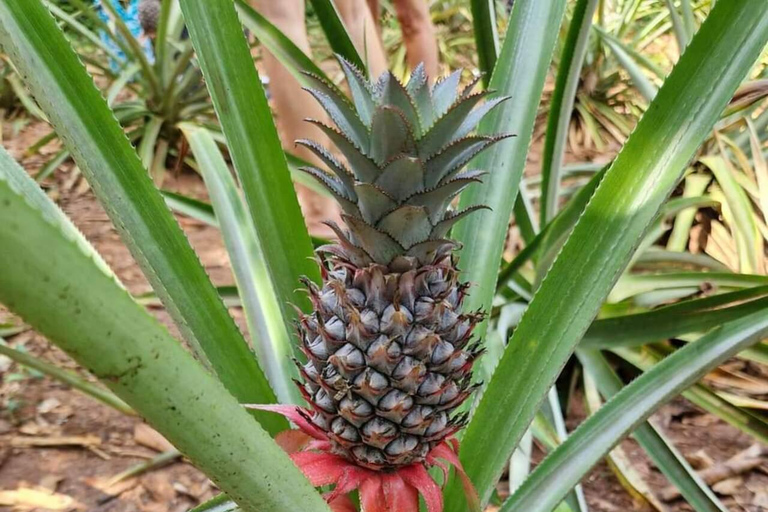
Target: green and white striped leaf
520, 73
270, 337
254, 146
99, 146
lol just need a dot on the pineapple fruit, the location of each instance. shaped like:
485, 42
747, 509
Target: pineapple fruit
149, 14
389, 348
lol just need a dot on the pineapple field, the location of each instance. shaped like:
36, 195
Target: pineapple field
384, 255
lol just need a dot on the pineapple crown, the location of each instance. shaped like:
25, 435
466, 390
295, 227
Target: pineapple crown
405, 147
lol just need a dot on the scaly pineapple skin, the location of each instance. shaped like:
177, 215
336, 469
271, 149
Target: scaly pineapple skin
389, 360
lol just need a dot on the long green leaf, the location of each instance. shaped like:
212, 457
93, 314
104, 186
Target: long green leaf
279, 45
220, 503
67, 377
681, 33
695, 185
561, 105
669, 321
635, 55
270, 336
602, 242
701, 395
90, 131
594, 438
520, 73
641, 82
87, 33
548, 242
18, 178
49, 279
486, 36
663, 454
191, 208
254, 145
336, 33
688, 17
636, 284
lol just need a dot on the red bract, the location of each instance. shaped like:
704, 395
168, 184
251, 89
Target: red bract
398, 491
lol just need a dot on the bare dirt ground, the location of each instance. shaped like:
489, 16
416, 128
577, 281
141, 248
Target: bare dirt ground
61, 447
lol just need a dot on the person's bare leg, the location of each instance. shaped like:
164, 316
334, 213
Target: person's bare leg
418, 34
292, 104
365, 36
373, 5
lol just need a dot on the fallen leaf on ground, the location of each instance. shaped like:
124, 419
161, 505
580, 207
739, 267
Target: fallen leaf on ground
722, 472
32, 442
26, 498
50, 482
48, 405
729, 487
159, 487
145, 435
107, 486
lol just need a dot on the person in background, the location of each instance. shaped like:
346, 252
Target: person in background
361, 18
418, 32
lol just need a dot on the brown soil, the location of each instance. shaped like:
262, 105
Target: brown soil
35, 408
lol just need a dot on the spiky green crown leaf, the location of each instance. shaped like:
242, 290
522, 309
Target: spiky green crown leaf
405, 147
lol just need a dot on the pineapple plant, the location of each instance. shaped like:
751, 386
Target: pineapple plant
389, 347
55, 281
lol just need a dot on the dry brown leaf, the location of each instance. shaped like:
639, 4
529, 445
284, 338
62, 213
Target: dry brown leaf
48, 405
738, 380
145, 435
721, 246
700, 459
107, 486
743, 462
159, 487
31, 428
729, 487
37, 442
26, 498
760, 500
50, 482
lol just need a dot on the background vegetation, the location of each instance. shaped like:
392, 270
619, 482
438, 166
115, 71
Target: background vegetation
637, 189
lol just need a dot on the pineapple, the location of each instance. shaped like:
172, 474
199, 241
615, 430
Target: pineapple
149, 14
389, 348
